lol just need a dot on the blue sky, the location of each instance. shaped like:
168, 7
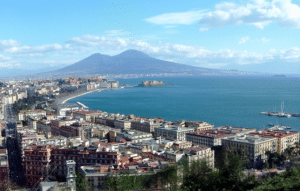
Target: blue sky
45, 34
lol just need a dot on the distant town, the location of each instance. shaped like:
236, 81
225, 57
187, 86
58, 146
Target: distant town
46, 141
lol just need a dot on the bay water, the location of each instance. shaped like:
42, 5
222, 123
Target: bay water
220, 100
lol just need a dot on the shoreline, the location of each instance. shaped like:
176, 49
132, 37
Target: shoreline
63, 100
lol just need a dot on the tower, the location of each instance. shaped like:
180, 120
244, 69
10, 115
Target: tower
71, 175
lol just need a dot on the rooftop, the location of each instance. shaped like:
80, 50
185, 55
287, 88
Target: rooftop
274, 133
210, 133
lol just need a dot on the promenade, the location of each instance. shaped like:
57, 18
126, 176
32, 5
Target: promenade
64, 99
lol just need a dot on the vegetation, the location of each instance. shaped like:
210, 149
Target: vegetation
227, 175
81, 183
26, 103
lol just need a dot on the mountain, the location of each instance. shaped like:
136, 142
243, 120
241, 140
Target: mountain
128, 62
270, 67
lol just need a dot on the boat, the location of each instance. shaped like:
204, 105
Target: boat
271, 124
288, 127
288, 115
282, 114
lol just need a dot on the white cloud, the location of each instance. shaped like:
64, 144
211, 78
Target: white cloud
258, 13
203, 29
184, 18
4, 44
243, 40
179, 53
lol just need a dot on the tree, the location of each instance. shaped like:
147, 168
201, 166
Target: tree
81, 183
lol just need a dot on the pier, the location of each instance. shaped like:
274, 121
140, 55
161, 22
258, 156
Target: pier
280, 114
84, 106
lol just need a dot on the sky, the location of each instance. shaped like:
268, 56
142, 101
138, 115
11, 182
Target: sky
52, 34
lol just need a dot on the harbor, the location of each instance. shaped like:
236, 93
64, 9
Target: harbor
281, 113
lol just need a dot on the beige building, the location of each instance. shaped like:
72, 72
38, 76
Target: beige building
87, 115
145, 126
254, 146
284, 139
200, 153
31, 113
172, 132
199, 125
208, 138
122, 124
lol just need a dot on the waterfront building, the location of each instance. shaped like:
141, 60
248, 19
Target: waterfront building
172, 132
284, 139
207, 138
254, 146
199, 125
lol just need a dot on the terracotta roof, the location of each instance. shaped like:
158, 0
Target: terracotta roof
274, 133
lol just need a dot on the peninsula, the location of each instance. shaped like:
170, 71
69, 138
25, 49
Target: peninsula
152, 83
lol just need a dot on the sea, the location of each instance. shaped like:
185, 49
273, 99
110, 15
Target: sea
220, 100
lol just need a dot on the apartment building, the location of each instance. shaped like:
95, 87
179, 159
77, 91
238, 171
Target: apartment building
87, 115
145, 126
89, 157
96, 174
4, 169
37, 164
31, 113
172, 132
235, 130
122, 124
200, 153
254, 146
284, 139
181, 144
207, 138
133, 135
199, 125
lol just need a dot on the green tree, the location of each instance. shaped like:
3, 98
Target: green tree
81, 183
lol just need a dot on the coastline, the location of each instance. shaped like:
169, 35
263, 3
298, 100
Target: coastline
63, 100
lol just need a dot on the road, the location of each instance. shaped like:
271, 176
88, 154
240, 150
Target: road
16, 170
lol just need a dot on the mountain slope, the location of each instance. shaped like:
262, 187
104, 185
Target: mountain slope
128, 62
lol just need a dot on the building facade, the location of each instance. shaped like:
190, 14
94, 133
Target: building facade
37, 164
172, 132
254, 146
207, 138
284, 139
